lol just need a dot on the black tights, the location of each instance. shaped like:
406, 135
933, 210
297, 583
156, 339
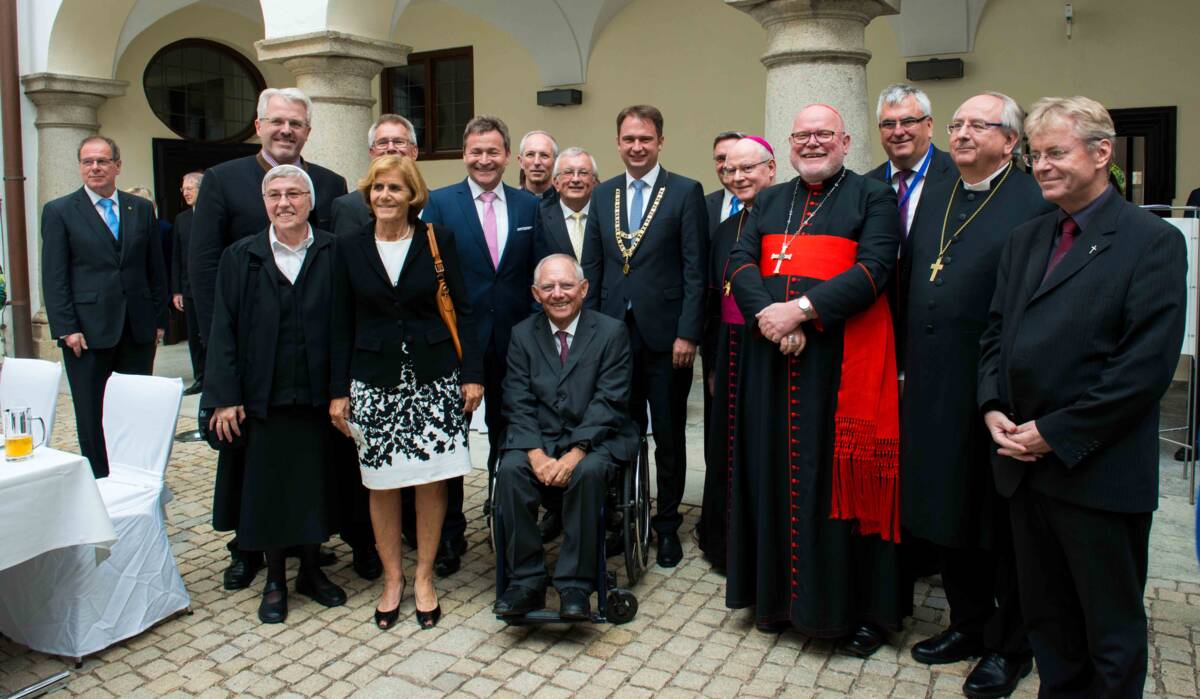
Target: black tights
277, 562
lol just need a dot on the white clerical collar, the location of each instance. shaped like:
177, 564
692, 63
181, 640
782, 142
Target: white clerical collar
570, 328
894, 169
986, 184
277, 244
568, 211
476, 190
649, 178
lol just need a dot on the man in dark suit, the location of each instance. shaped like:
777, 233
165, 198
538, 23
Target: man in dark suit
181, 290
566, 397
644, 255
104, 286
565, 217
391, 134
230, 207
1085, 332
722, 203
495, 227
536, 156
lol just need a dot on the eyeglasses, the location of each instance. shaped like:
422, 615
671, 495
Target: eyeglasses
744, 169
801, 137
582, 173
906, 123
291, 195
976, 127
96, 162
279, 122
397, 142
1053, 155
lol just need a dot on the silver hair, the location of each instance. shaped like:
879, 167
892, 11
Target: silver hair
196, 176
762, 150
291, 94
897, 93
553, 143
571, 153
391, 119
1012, 117
281, 171
537, 271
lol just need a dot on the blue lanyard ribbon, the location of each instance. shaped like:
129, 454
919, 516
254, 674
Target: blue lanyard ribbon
913, 185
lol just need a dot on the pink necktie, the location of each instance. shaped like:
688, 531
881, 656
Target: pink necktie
489, 227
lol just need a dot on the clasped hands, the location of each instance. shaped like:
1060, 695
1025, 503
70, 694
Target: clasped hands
780, 323
555, 471
1021, 442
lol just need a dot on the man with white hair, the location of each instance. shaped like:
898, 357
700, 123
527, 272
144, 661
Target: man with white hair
815, 487
1083, 339
391, 134
230, 207
536, 156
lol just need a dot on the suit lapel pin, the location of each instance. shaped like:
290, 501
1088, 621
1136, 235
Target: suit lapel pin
1093, 250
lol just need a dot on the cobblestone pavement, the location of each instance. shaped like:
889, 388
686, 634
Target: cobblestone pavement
683, 642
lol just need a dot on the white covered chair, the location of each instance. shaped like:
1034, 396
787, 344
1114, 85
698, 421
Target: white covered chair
31, 383
62, 602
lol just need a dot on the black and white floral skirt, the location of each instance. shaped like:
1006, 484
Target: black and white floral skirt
409, 434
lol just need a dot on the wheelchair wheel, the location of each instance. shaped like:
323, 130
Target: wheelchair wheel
636, 522
622, 606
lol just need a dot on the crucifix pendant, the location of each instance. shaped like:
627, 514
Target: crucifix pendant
779, 257
936, 267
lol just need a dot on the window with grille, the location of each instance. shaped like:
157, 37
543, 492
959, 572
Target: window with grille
203, 91
436, 92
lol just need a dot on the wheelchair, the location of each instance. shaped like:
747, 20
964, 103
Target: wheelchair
625, 515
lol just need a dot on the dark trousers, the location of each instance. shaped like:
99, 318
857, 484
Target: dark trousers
1082, 576
495, 366
87, 375
517, 496
665, 388
195, 344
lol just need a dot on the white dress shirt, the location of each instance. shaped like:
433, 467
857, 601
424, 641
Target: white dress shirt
649, 178
501, 208
576, 239
100, 209
570, 332
289, 260
726, 200
915, 197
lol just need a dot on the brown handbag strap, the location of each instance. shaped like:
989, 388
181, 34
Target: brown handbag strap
438, 267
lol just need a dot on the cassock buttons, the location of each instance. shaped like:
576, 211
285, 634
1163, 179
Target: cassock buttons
938, 282
962, 217
928, 329
970, 196
947, 259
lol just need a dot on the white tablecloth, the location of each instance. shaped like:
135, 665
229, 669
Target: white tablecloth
49, 502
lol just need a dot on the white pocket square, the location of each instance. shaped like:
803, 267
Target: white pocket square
524, 228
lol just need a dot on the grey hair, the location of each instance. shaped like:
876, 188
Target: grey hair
1090, 121
391, 119
1012, 117
572, 152
291, 94
195, 176
553, 143
281, 171
537, 271
897, 93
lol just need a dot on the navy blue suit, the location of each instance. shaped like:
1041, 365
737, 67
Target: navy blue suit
500, 297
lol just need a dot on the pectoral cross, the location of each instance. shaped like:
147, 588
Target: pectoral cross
936, 267
779, 257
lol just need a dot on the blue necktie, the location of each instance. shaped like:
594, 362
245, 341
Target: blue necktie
735, 205
110, 217
635, 206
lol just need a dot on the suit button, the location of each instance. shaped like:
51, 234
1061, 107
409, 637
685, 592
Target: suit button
928, 329
962, 217
938, 282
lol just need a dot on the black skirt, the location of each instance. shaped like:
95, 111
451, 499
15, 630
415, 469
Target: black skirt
289, 492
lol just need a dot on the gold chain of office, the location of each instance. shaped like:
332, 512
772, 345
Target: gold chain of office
636, 236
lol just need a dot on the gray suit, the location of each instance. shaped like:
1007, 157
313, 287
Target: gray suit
350, 213
553, 407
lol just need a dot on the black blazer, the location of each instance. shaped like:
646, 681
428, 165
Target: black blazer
553, 238
666, 280
373, 317
179, 267
90, 282
1087, 354
240, 364
230, 207
350, 213
553, 407
712, 205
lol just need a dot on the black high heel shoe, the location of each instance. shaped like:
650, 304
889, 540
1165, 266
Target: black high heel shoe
386, 620
428, 620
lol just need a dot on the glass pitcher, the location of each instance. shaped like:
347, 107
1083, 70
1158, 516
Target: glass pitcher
18, 433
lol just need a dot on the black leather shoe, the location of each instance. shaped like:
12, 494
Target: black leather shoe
670, 551
314, 584
195, 388
996, 675
273, 608
574, 603
518, 600
449, 557
242, 570
550, 526
367, 563
949, 646
865, 640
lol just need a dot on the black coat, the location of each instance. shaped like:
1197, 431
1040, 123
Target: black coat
350, 213
179, 266
1087, 353
230, 207
712, 206
240, 364
90, 282
373, 317
553, 237
666, 280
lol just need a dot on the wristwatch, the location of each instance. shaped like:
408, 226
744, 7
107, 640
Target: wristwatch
806, 307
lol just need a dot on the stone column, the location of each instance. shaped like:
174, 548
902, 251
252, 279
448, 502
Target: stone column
335, 70
66, 114
816, 53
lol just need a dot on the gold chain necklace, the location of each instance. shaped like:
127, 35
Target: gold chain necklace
635, 237
727, 288
943, 244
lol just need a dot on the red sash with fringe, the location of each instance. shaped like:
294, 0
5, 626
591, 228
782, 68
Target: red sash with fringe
866, 447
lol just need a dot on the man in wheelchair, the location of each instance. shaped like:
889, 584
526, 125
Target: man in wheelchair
566, 398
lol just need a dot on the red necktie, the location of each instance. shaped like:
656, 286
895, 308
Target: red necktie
562, 346
1069, 230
